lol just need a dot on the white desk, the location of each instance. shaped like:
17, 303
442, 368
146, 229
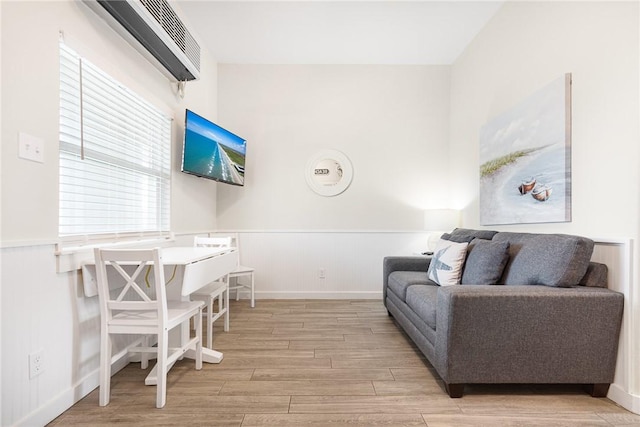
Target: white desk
197, 266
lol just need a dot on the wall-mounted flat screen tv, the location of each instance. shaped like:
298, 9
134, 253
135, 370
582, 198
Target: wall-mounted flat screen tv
209, 151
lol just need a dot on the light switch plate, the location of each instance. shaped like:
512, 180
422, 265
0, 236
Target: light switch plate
30, 147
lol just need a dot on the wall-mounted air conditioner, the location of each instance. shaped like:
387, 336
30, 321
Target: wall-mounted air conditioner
156, 31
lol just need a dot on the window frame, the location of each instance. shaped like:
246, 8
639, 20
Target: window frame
79, 146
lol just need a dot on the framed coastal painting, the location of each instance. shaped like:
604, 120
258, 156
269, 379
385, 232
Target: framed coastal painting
525, 160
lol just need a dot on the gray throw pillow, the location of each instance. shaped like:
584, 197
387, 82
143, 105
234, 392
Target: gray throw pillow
485, 262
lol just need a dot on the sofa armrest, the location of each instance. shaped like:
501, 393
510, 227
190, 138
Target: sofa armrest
536, 334
401, 263
596, 275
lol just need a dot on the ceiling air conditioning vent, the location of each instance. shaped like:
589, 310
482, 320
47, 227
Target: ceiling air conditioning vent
153, 27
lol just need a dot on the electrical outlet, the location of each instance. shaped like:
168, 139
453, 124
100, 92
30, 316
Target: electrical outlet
30, 147
321, 273
36, 363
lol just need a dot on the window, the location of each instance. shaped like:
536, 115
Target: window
115, 157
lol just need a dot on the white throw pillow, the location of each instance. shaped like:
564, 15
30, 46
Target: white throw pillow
446, 265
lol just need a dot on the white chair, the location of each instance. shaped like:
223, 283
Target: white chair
218, 289
134, 311
240, 271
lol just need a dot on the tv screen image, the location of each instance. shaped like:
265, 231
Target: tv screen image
210, 151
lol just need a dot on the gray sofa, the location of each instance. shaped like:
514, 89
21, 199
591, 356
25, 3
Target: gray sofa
547, 318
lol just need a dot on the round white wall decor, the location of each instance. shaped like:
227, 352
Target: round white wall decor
329, 173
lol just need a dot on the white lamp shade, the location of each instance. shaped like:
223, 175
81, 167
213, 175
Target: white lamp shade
441, 219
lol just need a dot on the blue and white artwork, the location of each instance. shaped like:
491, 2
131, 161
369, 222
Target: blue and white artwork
525, 160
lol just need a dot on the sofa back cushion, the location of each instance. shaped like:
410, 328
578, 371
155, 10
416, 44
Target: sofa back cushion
458, 238
469, 232
545, 259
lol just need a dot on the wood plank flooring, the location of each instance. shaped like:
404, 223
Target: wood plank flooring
329, 363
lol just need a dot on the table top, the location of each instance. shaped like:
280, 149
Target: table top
183, 255
171, 256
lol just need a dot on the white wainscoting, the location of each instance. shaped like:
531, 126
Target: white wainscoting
288, 263
45, 310
617, 254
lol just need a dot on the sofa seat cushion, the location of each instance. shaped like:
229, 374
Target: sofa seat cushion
414, 322
545, 259
399, 281
422, 300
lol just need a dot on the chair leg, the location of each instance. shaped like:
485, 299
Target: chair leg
105, 368
222, 308
226, 307
210, 323
253, 297
199, 342
144, 357
161, 368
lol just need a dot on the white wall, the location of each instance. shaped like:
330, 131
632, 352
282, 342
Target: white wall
30, 102
287, 113
391, 121
0, 222
288, 263
525, 46
404, 128
41, 309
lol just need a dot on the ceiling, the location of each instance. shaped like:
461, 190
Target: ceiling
336, 32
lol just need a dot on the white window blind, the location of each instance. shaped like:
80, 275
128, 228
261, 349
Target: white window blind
115, 156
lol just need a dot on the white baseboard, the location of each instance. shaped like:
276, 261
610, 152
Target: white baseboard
313, 295
628, 401
65, 400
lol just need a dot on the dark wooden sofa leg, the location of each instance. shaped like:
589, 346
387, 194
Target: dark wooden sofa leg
455, 390
598, 390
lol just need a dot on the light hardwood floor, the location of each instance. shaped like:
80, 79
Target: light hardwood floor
329, 363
